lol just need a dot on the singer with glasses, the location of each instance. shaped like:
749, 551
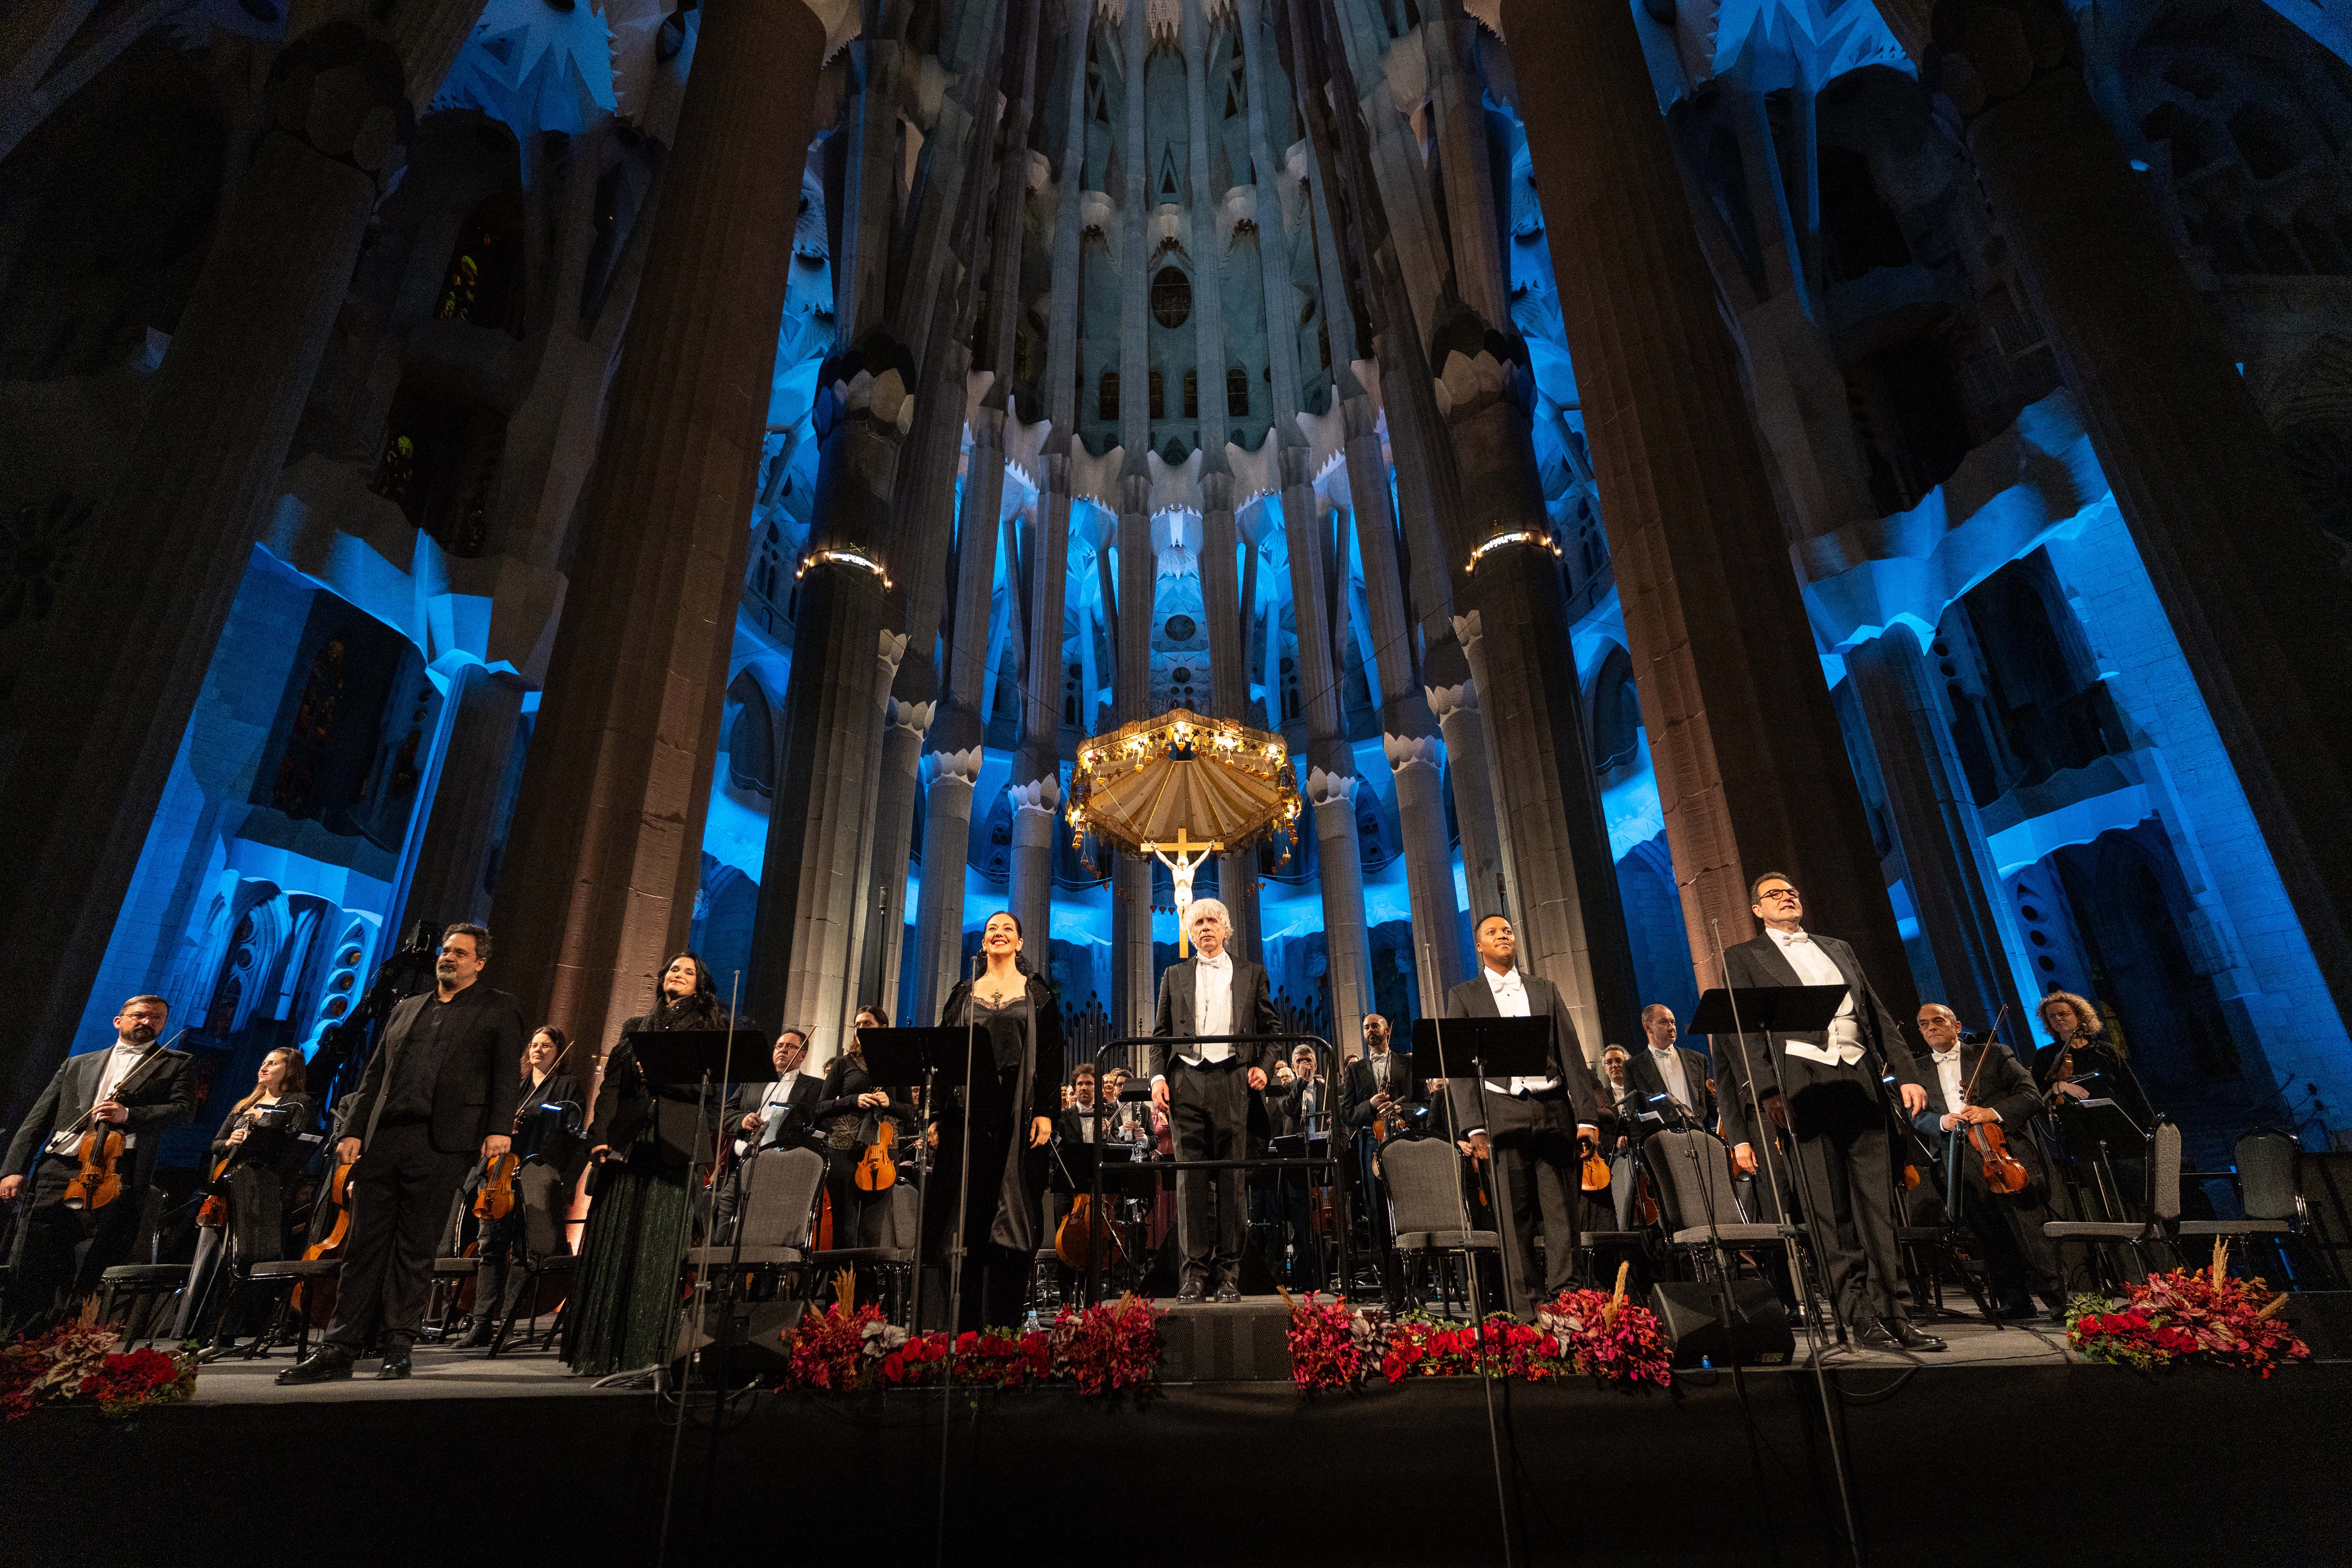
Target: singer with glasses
1836, 1117
133, 1087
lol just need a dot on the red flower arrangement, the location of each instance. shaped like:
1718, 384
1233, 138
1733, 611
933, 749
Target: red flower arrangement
1328, 1341
78, 1360
1109, 1346
1615, 1343
2205, 1316
1598, 1333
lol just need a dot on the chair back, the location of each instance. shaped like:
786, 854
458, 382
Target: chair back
2164, 1173
541, 1196
903, 1217
2269, 1180
1693, 1175
1423, 1195
779, 1196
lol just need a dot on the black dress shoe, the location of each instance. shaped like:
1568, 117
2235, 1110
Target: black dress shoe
397, 1367
479, 1338
1190, 1296
1884, 1336
1229, 1291
326, 1365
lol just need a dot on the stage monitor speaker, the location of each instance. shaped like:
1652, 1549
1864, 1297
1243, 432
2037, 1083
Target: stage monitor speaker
756, 1345
1691, 1316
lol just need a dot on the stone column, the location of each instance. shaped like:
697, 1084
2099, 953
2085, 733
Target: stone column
947, 838
1130, 923
903, 726
1751, 767
100, 690
1955, 886
1228, 676
463, 823
2227, 538
1331, 761
600, 873
1409, 731
1037, 766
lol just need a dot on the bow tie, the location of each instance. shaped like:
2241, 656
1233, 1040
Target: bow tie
1793, 941
1509, 982
1222, 960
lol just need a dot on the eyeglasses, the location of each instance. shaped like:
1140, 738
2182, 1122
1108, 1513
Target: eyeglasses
1786, 895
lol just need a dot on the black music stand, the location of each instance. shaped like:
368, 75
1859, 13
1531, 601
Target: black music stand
1480, 1049
2095, 1127
901, 1059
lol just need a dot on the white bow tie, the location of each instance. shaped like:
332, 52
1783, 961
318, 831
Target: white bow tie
1793, 941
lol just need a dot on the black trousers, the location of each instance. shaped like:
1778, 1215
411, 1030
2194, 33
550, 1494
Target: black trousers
1538, 1180
1844, 1180
52, 1268
1208, 1111
400, 1203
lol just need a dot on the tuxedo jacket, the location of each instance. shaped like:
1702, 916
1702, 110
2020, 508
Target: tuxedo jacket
807, 1091
1643, 1079
1580, 1097
1760, 964
164, 1096
1995, 1079
1359, 1083
1253, 1011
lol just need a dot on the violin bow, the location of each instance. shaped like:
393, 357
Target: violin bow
1992, 1035
134, 1077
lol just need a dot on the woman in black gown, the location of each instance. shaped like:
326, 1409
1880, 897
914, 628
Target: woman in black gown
992, 1136
262, 1138
643, 1141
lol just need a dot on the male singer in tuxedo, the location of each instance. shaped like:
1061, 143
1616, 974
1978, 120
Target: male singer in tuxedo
1834, 1112
1204, 1090
1532, 1127
437, 1095
1676, 1071
130, 1088
1370, 1086
1973, 1081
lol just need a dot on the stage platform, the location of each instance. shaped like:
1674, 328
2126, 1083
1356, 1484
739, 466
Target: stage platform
2004, 1447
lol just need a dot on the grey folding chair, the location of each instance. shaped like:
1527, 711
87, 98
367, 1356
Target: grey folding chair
2163, 1199
779, 1203
1425, 1205
2270, 1190
893, 1255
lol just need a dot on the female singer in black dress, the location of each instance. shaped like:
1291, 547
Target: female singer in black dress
848, 1114
643, 1142
992, 1136
262, 1139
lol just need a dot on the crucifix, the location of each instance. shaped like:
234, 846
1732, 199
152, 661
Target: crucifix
1189, 854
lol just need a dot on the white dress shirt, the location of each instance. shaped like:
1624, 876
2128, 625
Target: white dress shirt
120, 1061
1669, 1063
1212, 1007
1815, 967
780, 1093
1510, 995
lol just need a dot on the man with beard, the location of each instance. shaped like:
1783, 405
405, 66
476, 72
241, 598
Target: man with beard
134, 1088
436, 1096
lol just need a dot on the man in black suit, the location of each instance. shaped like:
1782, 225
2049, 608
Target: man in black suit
1204, 1090
1972, 1082
1664, 1067
136, 1089
780, 1113
1833, 1109
1371, 1086
1533, 1127
434, 1097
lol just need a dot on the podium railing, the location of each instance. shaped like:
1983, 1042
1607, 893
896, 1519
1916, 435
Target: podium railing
1328, 1061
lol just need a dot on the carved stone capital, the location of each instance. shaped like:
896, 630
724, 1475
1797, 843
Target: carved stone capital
1414, 751
955, 769
1467, 630
1324, 789
891, 649
1041, 795
915, 717
1445, 701
342, 94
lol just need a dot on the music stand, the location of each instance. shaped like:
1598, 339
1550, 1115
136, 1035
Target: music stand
1482, 1049
2093, 1127
901, 1058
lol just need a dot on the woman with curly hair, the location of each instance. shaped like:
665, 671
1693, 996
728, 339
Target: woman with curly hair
2082, 1061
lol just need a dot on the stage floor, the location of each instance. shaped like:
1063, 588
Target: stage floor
2002, 1449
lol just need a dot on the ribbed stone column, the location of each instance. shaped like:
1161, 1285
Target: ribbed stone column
1409, 731
451, 862
99, 692
1463, 728
1331, 761
895, 787
1955, 886
2227, 538
599, 875
1130, 912
1228, 676
1037, 766
938, 917
1751, 767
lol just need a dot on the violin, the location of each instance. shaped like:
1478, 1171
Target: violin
1596, 1172
214, 1212
877, 1170
2004, 1172
497, 1198
97, 1182
338, 1196
1645, 1198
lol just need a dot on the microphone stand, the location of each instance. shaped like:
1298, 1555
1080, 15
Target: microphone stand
962, 1197
1813, 1225
1469, 1259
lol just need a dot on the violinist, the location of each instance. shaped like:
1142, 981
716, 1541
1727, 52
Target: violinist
1676, 1072
133, 1088
996, 1129
260, 1148
643, 1144
850, 1110
546, 1116
1122, 1122
1976, 1083
2081, 1062
430, 1103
